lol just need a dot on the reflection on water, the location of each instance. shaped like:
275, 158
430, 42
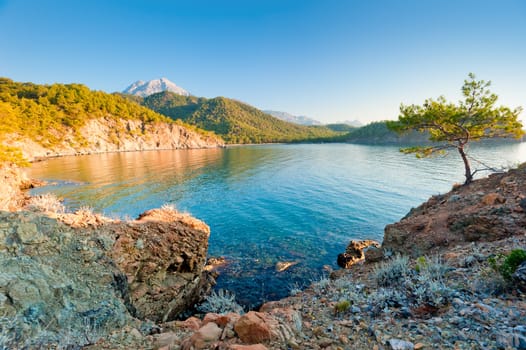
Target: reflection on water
269, 203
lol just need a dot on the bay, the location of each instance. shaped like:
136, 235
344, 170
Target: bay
268, 203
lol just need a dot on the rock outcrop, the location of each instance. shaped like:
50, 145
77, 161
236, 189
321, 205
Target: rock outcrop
486, 210
71, 284
57, 284
116, 135
163, 255
12, 183
355, 252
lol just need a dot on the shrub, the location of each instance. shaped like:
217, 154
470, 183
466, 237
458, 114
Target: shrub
392, 272
507, 264
47, 202
221, 302
342, 306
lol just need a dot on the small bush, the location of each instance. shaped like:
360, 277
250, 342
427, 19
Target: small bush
507, 264
221, 302
342, 306
392, 272
47, 202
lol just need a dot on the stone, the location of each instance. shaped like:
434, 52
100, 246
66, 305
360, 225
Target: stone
373, 254
454, 198
518, 341
166, 339
29, 234
398, 344
248, 347
46, 281
254, 327
206, 335
519, 276
354, 252
493, 199
192, 323
285, 265
221, 320
522, 204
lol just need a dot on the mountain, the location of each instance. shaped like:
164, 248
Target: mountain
234, 121
296, 119
355, 123
64, 119
143, 89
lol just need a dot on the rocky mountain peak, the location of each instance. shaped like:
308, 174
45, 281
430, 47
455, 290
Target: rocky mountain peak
143, 89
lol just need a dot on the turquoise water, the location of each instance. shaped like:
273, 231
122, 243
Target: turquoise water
268, 203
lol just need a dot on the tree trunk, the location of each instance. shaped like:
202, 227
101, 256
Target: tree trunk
468, 174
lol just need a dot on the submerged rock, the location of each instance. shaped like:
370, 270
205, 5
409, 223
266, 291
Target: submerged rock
285, 265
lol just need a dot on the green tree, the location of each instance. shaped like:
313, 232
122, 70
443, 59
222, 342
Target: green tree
453, 126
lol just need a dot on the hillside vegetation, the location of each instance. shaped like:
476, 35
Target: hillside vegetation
43, 113
235, 121
378, 133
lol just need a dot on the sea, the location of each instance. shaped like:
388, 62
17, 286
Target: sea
265, 204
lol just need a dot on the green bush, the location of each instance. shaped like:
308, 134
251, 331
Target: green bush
507, 264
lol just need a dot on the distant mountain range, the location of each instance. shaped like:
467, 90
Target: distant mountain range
355, 123
143, 89
234, 121
296, 119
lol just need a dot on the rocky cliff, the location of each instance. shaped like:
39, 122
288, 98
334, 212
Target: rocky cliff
69, 279
115, 135
488, 209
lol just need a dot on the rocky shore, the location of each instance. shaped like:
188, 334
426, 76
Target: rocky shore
115, 135
441, 279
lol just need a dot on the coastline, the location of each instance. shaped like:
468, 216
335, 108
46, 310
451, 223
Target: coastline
350, 310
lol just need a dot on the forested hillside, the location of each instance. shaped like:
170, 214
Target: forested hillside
235, 121
45, 114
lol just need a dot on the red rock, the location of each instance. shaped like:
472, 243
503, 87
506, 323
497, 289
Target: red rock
221, 320
192, 323
254, 327
492, 199
248, 347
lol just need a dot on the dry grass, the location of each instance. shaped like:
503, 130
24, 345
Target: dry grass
168, 213
48, 203
84, 217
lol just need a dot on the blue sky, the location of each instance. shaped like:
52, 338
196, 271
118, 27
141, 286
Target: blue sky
328, 59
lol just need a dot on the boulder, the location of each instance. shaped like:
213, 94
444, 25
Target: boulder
279, 324
163, 255
354, 252
254, 327
493, 199
204, 337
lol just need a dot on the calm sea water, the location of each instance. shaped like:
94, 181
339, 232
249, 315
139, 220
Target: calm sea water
268, 203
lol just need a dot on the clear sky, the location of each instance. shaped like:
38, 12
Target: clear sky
331, 60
